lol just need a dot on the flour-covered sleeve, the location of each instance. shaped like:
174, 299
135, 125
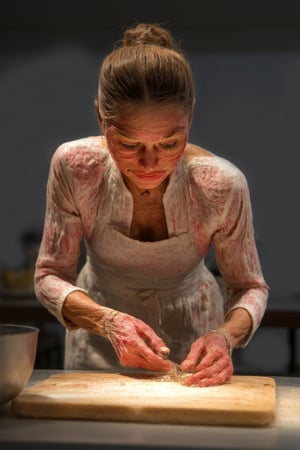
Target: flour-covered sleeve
69, 193
236, 252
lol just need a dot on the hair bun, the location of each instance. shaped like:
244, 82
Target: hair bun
144, 33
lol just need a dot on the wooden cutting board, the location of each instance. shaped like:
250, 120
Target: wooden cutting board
244, 400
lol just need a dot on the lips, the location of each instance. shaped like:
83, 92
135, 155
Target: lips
149, 176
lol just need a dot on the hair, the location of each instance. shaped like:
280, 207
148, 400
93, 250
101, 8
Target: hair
147, 67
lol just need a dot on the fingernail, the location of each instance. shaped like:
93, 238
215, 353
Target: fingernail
164, 351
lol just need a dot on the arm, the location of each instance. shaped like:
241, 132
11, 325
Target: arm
56, 266
246, 290
68, 215
135, 343
237, 326
238, 261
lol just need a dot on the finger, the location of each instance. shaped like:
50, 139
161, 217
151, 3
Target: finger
192, 360
153, 360
212, 380
154, 342
140, 361
210, 358
161, 365
164, 352
137, 345
219, 371
216, 367
137, 354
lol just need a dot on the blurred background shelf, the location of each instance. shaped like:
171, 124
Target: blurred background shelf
29, 311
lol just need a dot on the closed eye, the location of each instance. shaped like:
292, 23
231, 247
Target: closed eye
169, 145
130, 146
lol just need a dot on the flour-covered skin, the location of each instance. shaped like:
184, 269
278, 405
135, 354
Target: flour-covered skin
164, 283
209, 361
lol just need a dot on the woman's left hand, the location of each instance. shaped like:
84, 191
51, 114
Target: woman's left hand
209, 360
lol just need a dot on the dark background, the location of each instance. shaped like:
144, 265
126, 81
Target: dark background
246, 62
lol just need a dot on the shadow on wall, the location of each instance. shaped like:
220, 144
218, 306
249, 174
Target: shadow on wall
46, 99
20, 278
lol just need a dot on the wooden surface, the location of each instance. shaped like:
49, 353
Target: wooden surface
244, 400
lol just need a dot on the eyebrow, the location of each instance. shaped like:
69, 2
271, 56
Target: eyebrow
176, 130
171, 134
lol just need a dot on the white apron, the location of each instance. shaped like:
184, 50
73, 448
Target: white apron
164, 283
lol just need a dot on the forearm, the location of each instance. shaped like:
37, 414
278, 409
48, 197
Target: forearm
56, 266
135, 343
238, 326
81, 310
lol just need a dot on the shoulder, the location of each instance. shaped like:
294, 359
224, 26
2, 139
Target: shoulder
82, 158
211, 171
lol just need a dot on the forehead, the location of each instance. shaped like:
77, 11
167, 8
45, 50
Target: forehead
151, 119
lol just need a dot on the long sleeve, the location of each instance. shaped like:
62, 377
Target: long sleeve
225, 218
237, 257
71, 206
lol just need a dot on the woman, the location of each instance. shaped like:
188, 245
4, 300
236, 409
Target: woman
149, 205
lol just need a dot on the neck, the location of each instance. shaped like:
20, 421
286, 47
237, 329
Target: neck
147, 192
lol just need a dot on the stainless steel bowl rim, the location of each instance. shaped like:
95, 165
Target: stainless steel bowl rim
7, 329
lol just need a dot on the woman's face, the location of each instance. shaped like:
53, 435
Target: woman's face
147, 143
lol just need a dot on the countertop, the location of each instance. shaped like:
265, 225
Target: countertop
283, 434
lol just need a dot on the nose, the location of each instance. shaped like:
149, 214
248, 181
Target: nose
148, 157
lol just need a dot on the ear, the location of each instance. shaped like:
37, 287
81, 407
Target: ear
99, 119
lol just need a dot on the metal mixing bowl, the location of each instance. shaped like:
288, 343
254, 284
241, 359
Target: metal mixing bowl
18, 344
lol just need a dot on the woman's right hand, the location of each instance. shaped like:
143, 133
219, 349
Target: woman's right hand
135, 343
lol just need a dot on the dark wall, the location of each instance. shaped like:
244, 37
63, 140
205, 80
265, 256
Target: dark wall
246, 61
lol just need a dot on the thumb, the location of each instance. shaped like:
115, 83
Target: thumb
193, 358
163, 352
156, 344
